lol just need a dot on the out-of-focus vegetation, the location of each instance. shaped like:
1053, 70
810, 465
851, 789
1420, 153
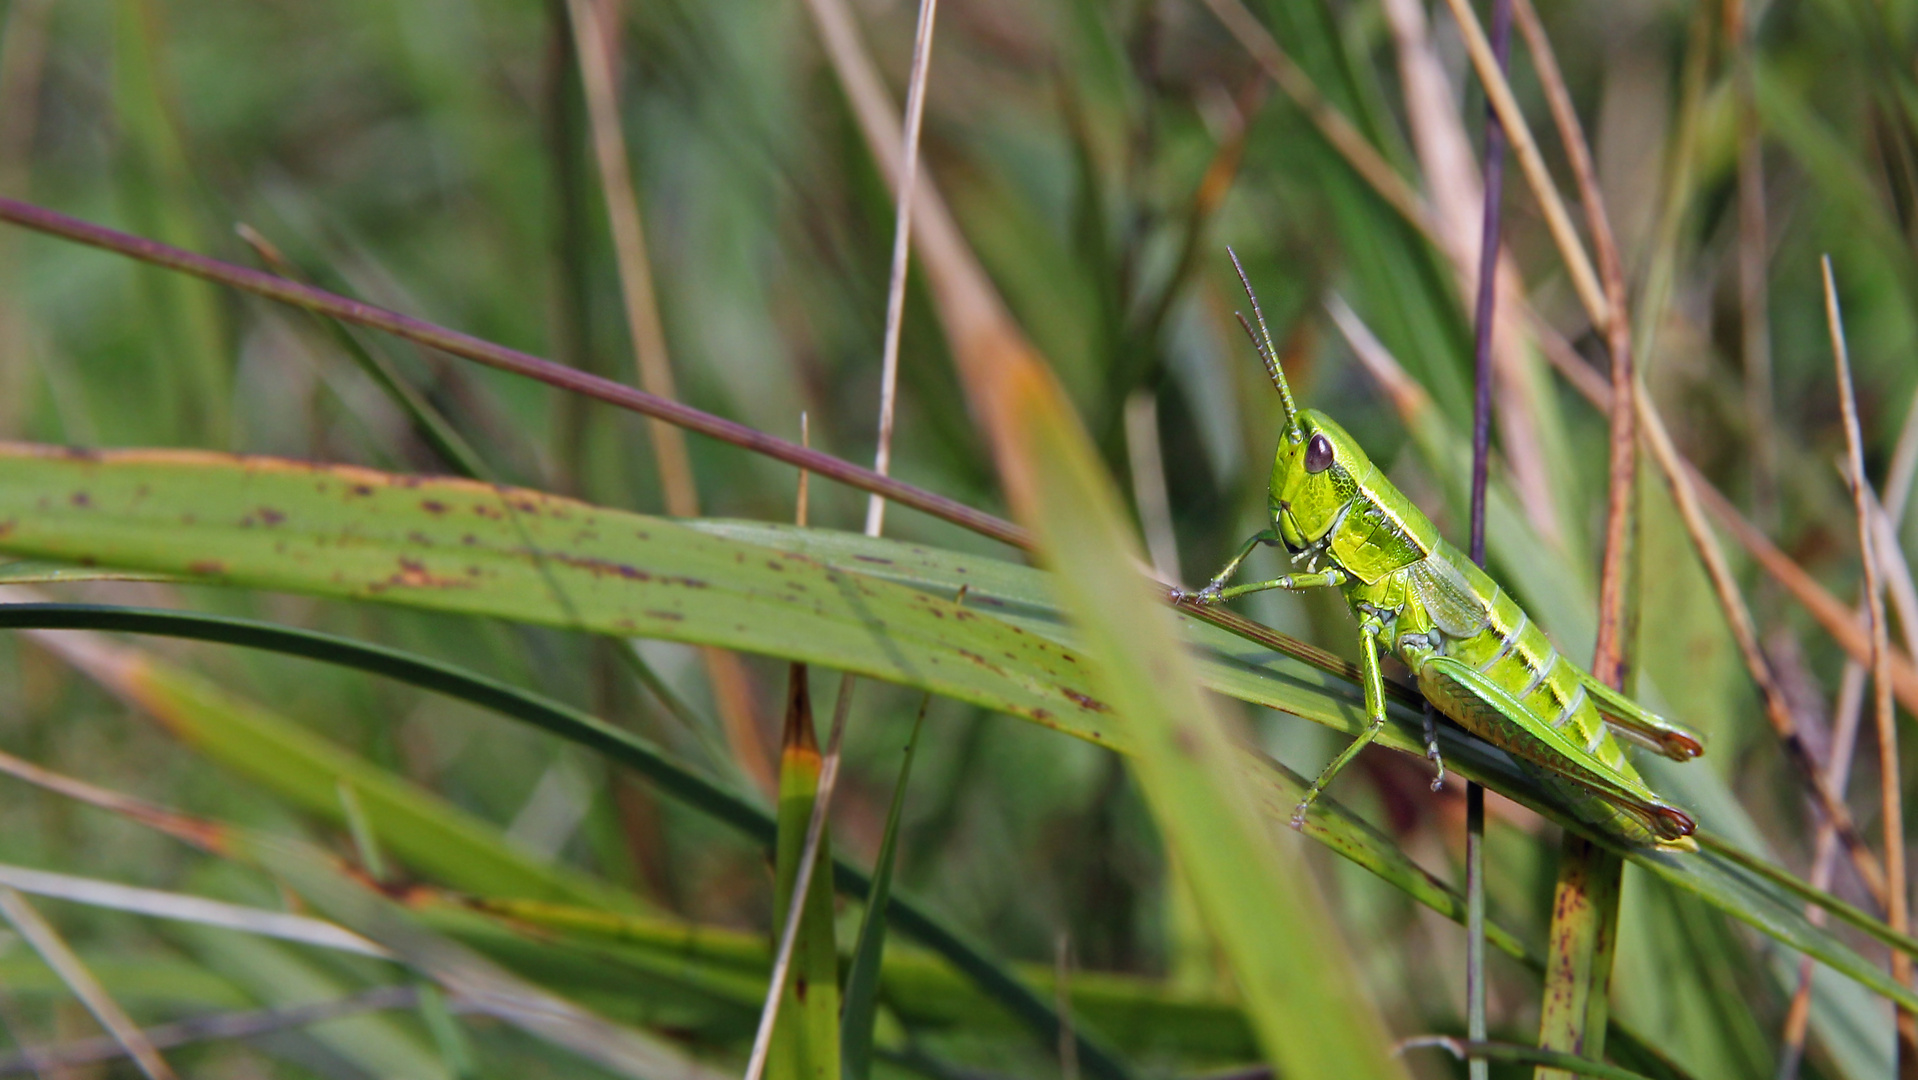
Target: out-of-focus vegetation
436, 157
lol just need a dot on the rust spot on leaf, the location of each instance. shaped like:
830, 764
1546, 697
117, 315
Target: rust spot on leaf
270, 516
1085, 701
670, 616
81, 499
206, 567
413, 574
601, 567
433, 506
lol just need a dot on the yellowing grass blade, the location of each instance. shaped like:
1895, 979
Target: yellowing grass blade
1311, 1013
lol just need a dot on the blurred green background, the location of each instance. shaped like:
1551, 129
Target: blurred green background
433, 156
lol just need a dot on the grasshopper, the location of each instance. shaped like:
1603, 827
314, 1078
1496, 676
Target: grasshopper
1477, 656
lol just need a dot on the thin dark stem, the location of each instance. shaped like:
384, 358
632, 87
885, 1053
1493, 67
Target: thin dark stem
1487, 292
1483, 319
468, 347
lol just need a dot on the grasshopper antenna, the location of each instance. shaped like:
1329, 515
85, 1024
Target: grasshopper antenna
1262, 343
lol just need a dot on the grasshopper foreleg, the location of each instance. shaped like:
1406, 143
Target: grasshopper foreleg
1211, 593
1370, 631
1215, 591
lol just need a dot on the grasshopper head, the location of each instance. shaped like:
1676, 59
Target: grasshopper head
1316, 471
1314, 478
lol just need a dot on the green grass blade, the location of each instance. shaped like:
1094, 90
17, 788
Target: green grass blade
805, 1038
464, 547
862, 976
1302, 991
158, 189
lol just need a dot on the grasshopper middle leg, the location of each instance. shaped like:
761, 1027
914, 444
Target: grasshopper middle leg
1371, 631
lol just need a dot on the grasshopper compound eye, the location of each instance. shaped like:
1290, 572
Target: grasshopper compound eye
1318, 454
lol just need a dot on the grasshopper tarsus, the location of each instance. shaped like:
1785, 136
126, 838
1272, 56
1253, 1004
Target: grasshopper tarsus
1431, 747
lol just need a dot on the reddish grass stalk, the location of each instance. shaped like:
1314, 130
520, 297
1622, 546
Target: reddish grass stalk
485, 352
1897, 912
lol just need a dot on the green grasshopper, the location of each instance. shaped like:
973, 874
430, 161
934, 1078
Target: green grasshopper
1477, 656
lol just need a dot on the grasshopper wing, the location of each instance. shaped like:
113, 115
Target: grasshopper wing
1492, 712
1635, 722
1456, 608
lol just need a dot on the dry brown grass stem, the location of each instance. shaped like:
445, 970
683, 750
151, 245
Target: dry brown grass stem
1690, 490
1831, 615
1332, 124
1847, 711
1609, 655
1146, 457
901, 253
1891, 802
1578, 265
1686, 489
58, 955
594, 46
802, 499
1455, 187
